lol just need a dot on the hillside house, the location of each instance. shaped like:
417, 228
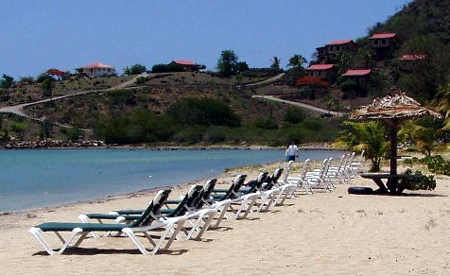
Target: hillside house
412, 57
329, 53
324, 71
383, 44
410, 62
98, 69
360, 76
188, 66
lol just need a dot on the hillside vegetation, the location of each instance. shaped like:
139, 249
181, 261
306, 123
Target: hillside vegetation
210, 107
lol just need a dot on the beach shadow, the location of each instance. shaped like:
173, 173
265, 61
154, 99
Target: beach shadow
250, 218
221, 228
96, 251
401, 195
419, 195
270, 211
202, 240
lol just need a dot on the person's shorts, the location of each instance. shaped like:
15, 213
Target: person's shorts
291, 157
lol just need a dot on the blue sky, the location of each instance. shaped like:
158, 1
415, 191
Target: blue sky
38, 35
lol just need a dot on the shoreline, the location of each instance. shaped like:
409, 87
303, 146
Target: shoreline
92, 144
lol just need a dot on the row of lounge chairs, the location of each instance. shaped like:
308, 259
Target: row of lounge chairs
203, 207
328, 175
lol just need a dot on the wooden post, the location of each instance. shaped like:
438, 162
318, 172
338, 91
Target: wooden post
392, 183
393, 154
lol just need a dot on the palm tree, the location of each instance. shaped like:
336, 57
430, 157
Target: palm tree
444, 107
276, 61
296, 61
421, 133
368, 136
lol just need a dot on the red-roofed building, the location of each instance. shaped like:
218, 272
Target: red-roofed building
360, 76
411, 62
357, 72
324, 71
98, 69
412, 57
330, 52
343, 45
188, 65
383, 44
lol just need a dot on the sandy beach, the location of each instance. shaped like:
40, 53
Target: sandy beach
328, 233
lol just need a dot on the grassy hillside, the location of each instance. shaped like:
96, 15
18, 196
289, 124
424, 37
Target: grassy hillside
138, 113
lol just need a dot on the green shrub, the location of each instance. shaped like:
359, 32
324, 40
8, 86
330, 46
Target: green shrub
265, 123
423, 182
294, 115
141, 80
215, 135
203, 112
437, 164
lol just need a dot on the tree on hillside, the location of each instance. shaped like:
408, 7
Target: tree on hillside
47, 87
135, 69
42, 77
204, 112
345, 59
6, 81
296, 62
423, 77
276, 63
227, 63
241, 67
20, 128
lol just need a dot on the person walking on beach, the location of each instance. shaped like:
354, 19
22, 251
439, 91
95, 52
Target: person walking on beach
291, 152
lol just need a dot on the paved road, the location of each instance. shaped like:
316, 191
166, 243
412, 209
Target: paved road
19, 109
269, 80
307, 106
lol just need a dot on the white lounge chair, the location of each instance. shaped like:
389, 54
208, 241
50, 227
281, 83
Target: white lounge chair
148, 221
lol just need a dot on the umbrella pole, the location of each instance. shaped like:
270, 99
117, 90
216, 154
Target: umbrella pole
393, 182
393, 155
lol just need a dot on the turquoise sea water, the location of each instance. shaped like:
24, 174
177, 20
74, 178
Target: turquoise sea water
38, 178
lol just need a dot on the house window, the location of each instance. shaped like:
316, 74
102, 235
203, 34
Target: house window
383, 41
375, 42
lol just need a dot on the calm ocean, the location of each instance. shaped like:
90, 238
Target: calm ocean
39, 178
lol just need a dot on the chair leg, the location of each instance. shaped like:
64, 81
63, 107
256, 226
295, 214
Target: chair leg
84, 219
202, 223
75, 232
136, 242
247, 204
222, 208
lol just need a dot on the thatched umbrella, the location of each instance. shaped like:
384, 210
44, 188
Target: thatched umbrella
392, 109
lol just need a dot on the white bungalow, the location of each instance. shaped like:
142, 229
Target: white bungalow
98, 69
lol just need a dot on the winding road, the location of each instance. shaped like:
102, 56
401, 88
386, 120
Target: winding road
307, 106
20, 109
